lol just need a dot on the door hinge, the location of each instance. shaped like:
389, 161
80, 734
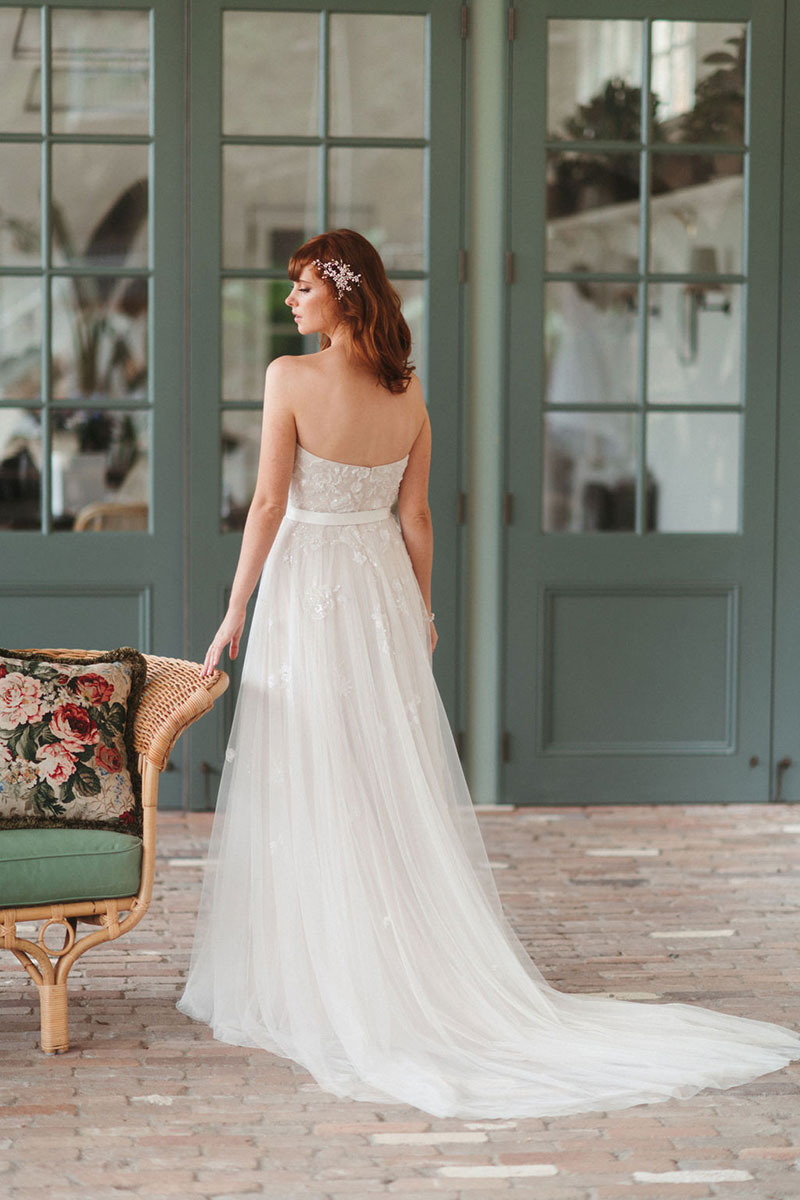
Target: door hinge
509, 266
461, 508
512, 23
464, 21
458, 738
508, 508
462, 266
505, 746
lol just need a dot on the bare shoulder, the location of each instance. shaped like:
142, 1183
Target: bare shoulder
286, 381
286, 368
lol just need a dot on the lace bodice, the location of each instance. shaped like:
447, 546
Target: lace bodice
327, 486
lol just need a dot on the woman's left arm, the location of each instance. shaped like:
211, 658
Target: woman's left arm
267, 508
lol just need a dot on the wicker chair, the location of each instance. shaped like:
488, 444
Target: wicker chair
174, 697
111, 515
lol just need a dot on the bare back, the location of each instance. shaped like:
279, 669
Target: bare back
341, 412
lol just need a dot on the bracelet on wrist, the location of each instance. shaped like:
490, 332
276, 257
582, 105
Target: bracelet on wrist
431, 616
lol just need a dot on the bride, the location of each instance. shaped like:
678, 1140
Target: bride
349, 919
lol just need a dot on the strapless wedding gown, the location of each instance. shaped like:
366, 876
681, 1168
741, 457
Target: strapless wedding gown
349, 919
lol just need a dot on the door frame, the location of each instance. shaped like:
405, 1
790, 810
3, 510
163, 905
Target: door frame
212, 555
532, 773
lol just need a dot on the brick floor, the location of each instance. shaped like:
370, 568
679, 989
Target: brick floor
146, 1104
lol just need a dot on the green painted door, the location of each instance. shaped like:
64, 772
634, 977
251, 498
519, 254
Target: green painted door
305, 117
643, 384
91, 304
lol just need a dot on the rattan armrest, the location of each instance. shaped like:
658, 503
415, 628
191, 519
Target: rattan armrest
175, 695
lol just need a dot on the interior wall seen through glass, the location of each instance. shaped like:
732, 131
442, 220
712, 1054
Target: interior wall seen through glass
20, 69
100, 70
270, 73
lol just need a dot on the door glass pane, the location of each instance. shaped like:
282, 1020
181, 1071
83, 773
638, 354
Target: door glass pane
269, 203
20, 338
99, 206
699, 74
20, 468
20, 70
241, 440
377, 74
592, 211
694, 344
696, 213
380, 193
99, 347
100, 70
100, 469
270, 70
413, 295
256, 327
589, 471
20, 204
594, 80
591, 338
694, 461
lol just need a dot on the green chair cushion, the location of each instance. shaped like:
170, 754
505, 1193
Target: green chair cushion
44, 866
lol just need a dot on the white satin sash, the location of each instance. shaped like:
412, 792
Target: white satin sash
360, 517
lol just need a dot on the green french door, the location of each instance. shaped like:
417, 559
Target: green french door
304, 117
91, 282
645, 225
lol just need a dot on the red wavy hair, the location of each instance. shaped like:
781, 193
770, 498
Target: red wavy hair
372, 308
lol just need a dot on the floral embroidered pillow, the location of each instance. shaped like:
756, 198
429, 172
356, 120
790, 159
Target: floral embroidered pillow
66, 740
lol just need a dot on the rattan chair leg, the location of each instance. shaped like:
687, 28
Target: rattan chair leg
54, 1018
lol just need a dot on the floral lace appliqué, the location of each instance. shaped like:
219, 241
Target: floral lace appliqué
320, 600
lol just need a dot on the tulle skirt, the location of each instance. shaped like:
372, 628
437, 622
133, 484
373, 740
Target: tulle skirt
349, 919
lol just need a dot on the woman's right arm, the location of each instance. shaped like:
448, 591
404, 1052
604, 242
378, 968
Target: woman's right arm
267, 508
415, 515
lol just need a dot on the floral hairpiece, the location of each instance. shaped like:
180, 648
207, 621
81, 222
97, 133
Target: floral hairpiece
340, 273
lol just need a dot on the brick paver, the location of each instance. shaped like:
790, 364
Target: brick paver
146, 1104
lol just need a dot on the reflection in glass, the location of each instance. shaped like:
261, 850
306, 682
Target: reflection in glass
20, 204
256, 327
694, 344
379, 192
269, 203
20, 337
99, 346
241, 439
694, 458
20, 70
99, 457
696, 205
592, 211
594, 79
589, 480
590, 343
100, 70
99, 204
270, 66
699, 74
20, 468
414, 296
375, 93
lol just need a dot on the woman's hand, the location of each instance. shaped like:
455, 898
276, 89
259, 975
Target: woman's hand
434, 637
230, 631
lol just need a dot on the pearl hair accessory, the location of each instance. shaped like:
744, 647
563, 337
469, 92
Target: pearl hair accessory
340, 273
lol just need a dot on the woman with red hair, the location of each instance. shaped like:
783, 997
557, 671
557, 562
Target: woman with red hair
349, 919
